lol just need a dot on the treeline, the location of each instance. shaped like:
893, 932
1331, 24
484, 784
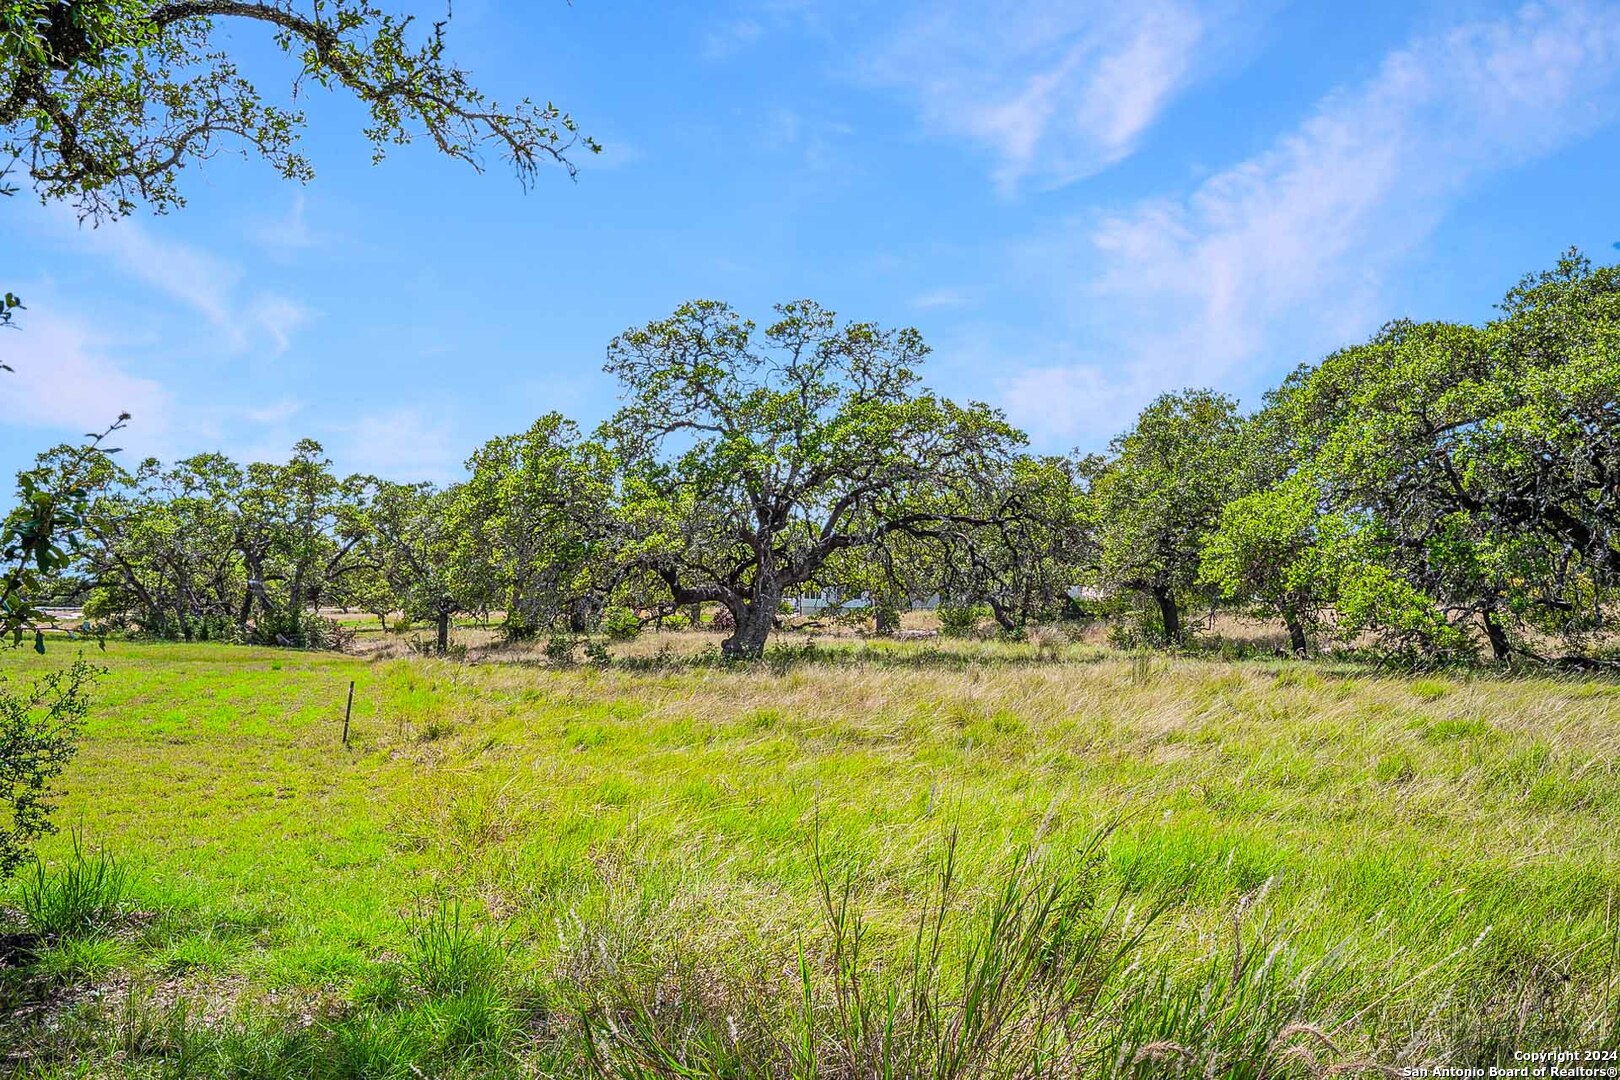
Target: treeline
1438, 493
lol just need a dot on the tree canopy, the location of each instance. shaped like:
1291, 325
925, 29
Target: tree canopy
104, 102
753, 457
1441, 476
1162, 490
1437, 492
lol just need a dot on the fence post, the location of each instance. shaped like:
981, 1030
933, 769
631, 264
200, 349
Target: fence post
347, 709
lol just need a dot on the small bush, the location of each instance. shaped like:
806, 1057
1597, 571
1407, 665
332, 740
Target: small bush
1049, 642
82, 897
620, 624
39, 729
560, 649
960, 620
723, 620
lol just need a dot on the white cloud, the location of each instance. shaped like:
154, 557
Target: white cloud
289, 233
738, 33
64, 379
941, 298
731, 37
817, 141
405, 444
1288, 250
275, 412
209, 285
276, 317
1057, 90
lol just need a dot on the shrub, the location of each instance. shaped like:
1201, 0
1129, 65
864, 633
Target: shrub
560, 648
1048, 642
960, 620
620, 624
518, 628
723, 620
885, 616
39, 729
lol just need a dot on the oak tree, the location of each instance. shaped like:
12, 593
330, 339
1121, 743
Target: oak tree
751, 457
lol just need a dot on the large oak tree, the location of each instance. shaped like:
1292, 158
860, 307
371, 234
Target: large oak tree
752, 457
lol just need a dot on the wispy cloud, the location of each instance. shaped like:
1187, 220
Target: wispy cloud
816, 140
1056, 90
209, 285
406, 443
275, 412
64, 378
289, 233
941, 298
752, 21
1293, 246
731, 37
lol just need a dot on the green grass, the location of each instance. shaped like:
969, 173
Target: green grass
509, 857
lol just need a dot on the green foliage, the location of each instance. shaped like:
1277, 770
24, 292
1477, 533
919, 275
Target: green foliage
44, 533
560, 648
104, 102
620, 624
451, 956
1434, 491
1269, 550
961, 620
39, 728
1161, 491
207, 549
10, 304
534, 527
411, 533
752, 459
1449, 479
81, 897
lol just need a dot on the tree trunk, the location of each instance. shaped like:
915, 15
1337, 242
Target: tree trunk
886, 619
1296, 632
694, 615
1501, 648
444, 632
1002, 614
579, 616
754, 623
1169, 614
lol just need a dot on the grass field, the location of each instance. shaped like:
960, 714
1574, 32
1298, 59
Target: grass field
1155, 866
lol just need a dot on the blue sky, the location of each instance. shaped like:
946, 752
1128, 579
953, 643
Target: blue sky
1080, 205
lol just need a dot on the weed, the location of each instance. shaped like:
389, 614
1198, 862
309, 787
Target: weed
83, 896
79, 959
452, 957
1430, 689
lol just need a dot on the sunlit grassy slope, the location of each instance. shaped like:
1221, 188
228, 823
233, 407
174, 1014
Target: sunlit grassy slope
1430, 866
